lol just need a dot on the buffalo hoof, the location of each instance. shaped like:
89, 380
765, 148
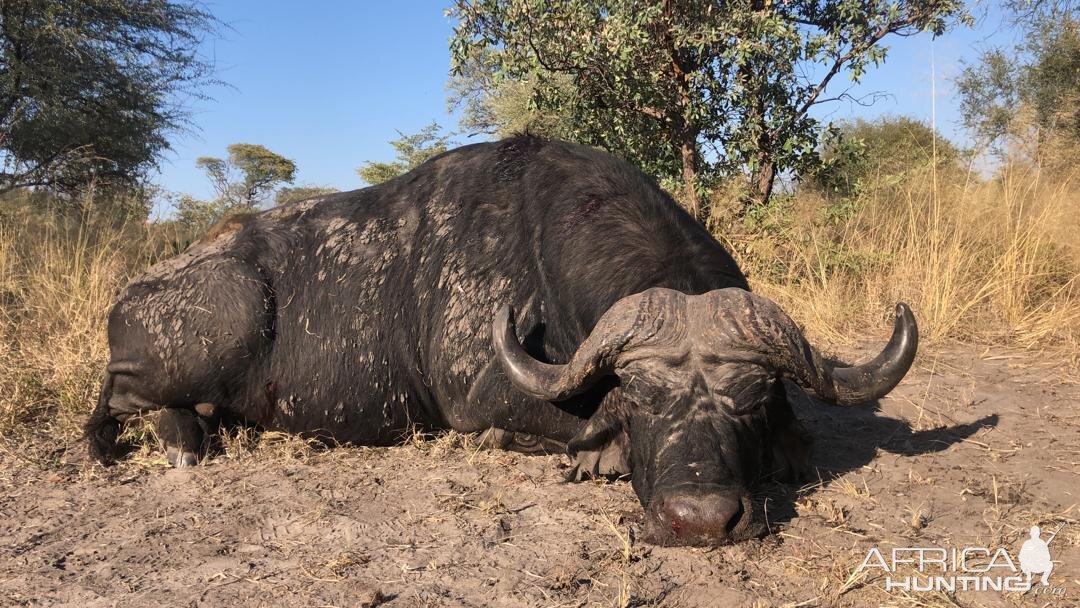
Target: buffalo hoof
179, 458
500, 439
185, 434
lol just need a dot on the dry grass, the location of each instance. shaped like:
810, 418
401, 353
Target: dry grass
624, 594
986, 261
56, 286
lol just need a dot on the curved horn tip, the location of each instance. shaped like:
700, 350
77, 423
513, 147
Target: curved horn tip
872, 380
532, 377
905, 319
503, 329
903, 310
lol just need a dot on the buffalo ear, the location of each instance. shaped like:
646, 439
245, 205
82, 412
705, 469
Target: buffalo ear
601, 449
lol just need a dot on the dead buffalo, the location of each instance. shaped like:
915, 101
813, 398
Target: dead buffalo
547, 292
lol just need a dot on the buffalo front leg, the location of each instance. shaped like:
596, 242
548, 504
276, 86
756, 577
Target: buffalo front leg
496, 438
185, 434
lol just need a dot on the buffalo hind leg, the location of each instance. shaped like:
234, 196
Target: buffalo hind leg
191, 335
186, 435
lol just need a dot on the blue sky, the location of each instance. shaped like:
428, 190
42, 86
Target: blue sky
328, 84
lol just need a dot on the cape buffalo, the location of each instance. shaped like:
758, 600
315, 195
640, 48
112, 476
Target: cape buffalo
543, 291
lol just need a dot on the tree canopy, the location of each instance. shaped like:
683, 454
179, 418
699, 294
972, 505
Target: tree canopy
692, 91
1030, 92
243, 181
411, 150
292, 194
248, 176
879, 152
90, 89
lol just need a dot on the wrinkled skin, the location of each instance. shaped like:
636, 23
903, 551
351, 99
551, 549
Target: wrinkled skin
546, 293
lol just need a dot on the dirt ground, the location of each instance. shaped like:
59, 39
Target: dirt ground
972, 449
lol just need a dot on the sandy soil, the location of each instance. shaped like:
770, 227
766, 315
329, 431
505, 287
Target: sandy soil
969, 452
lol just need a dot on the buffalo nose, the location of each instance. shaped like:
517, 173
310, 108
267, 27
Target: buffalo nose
702, 519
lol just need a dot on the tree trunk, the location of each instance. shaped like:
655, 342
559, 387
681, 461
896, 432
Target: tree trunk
688, 151
761, 183
685, 134
762, 177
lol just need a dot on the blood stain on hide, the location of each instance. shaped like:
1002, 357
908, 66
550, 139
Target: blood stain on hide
676, 527
588, 207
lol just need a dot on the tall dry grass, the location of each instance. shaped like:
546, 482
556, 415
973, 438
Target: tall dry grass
990, 261
58, 278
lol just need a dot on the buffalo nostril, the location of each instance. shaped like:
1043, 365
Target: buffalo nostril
677, 512
709, 516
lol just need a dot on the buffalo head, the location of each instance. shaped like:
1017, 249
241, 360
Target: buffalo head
699, 414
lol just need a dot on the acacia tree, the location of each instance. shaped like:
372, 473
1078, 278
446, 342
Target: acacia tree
411, 151
242, 181
502, 107
90, 89
869, 155
691, 90
248, 176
